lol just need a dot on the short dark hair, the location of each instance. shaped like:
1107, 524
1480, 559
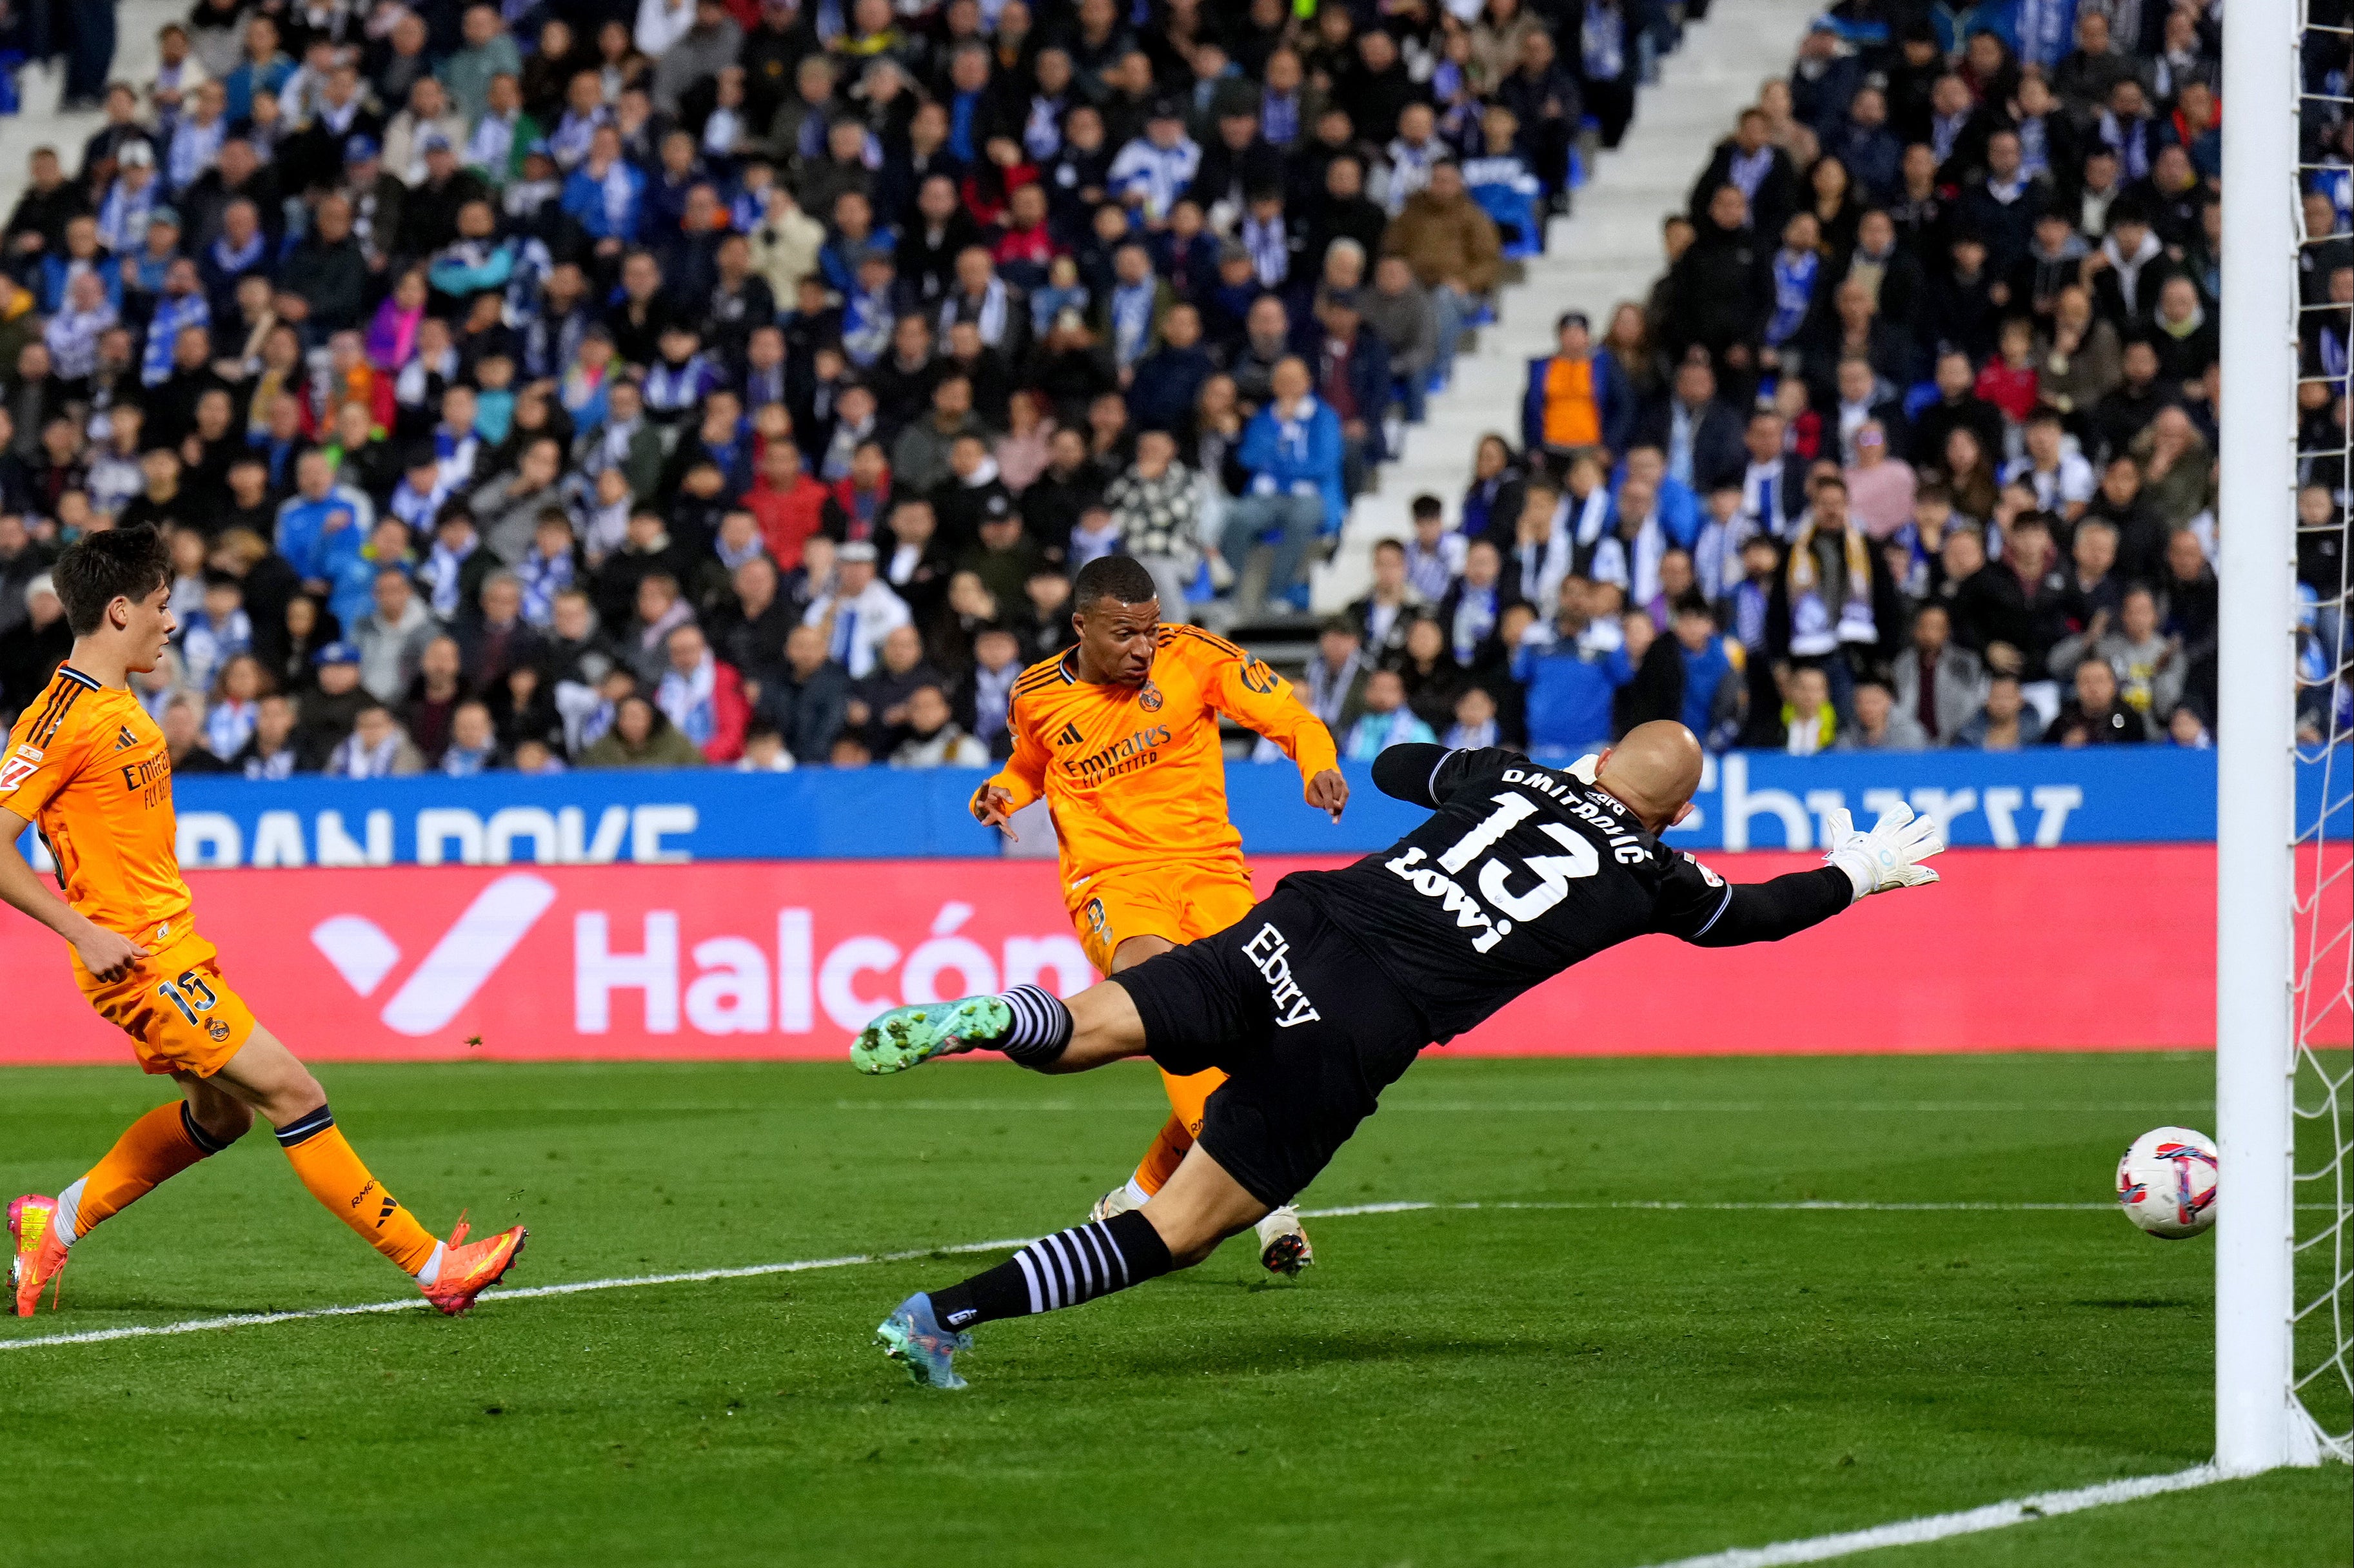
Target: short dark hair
99, 568
1121, 578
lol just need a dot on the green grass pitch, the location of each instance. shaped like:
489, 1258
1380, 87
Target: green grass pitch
1613, 1386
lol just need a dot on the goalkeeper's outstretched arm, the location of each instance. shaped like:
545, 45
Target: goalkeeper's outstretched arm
1861, 865
1769, 911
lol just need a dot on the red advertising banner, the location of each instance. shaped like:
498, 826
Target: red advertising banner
2057, 949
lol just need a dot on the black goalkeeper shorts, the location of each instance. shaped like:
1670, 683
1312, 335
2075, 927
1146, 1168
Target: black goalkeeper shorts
1307, 1027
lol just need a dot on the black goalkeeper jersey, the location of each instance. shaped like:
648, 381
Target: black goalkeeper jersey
1521, 871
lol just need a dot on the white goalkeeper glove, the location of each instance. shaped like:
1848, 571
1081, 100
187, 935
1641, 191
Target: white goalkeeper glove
1889, 855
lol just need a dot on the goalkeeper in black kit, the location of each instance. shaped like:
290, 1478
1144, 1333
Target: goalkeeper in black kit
1323, 994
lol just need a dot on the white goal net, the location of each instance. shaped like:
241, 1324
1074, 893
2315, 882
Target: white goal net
2322, 1219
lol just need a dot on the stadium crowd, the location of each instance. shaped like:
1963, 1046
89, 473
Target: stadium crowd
1913, 444
652, 382
740, 381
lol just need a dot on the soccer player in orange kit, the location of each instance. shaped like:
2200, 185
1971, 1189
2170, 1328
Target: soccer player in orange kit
87, 763
1120, 736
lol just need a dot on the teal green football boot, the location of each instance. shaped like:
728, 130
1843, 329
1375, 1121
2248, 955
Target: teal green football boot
907, 1037
911, 1336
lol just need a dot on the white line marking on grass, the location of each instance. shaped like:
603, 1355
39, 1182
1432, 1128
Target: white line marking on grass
848, 1260
1970, 1521
691, 1276
1487, 1107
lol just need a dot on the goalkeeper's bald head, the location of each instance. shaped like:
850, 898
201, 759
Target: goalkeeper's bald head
1653, 771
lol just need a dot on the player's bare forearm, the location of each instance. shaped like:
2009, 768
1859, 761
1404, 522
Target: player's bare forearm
1769, 911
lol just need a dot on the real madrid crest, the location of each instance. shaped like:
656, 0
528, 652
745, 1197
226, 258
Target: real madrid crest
1150, 698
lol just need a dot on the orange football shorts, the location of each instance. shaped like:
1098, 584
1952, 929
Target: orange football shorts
181, 1017
1179, 902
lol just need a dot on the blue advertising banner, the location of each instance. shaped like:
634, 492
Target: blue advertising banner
1747, 800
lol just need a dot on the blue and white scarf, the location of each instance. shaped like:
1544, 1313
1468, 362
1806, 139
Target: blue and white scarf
1747, 171
688, 700
2046, 31
122, 220
454, 456
1131, 322
1271, 250
492, 146
989, 315
1794, 293
543, 576
419, 510
2130, 144
439, 575
570, 144
1042, 131
675, 388
228, 727
1278, 118
2034, 147
1602, 43
195, 149
172, 316
866, 324
1944, 131
236, 260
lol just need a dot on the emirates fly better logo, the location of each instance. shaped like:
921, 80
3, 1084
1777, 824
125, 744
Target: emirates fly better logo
465, 957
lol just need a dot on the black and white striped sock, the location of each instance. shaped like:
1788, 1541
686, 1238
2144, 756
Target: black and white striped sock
1041, 1026
1060, 1270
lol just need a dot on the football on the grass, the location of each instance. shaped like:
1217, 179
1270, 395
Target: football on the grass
2166, 1182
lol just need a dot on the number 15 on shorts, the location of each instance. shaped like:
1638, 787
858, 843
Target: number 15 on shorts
189, 993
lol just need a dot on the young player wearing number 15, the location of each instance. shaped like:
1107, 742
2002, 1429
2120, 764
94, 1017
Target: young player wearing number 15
1120, 736
91, 767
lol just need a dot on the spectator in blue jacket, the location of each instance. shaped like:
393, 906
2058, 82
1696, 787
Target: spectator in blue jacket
1712, 682
322, 522
606, 195
1291, 448
1572, 667
1576, 397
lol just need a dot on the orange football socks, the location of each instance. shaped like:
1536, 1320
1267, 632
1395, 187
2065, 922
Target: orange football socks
1160, 1160
324, 1160
151, 1150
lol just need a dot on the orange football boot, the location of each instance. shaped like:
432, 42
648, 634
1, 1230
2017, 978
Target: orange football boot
469, 1269
37, 1258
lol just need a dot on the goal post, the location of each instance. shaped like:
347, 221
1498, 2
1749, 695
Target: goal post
2259, 995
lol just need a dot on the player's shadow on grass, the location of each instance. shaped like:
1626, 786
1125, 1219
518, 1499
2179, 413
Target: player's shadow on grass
2139, 1303
1266, 1353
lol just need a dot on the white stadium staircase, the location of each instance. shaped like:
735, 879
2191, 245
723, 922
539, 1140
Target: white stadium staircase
1606, 251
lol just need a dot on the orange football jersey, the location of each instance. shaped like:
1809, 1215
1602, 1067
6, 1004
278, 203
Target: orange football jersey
87, 764
1135, 775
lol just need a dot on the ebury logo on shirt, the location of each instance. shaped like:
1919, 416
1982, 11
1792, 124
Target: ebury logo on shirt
1270, 951
459, 965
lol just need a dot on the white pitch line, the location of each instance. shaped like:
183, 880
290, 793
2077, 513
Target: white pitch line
848, 1260
1970, 1521
630, 1282
1487, 1107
